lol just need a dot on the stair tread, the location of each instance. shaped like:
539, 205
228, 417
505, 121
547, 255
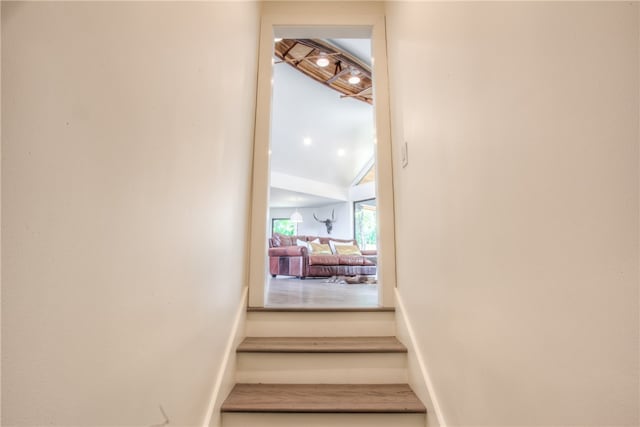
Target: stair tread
362, 344
320, 309
323, 398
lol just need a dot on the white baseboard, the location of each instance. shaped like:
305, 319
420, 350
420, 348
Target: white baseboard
419, 378
225, 379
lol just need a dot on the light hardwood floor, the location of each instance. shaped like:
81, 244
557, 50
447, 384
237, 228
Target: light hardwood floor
318, 398
321, 345
314, 293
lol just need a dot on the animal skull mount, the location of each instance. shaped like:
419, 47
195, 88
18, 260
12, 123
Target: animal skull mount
327, 222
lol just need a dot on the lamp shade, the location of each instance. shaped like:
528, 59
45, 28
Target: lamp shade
296, 216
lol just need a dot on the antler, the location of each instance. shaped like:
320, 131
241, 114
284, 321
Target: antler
314, 215
333, 216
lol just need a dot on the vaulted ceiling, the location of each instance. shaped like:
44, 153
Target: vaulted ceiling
317, 134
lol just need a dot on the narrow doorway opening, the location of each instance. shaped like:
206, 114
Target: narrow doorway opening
322, 24
322, 238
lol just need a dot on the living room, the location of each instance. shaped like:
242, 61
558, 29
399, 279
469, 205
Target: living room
322, 176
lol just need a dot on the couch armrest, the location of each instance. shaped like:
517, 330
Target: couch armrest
369, 252
288, 251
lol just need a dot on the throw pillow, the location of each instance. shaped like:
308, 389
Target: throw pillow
333, 244
319, 249
307, 244
348, 250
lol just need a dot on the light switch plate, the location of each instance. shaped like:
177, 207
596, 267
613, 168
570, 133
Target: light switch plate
405, 154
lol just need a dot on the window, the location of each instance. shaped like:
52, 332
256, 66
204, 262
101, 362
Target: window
284, 226
365, 224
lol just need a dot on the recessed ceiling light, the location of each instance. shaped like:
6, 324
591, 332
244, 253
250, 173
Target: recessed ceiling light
322, 60
341, 152
307, 141
354, 79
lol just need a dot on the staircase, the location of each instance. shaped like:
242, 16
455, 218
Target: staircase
321, 367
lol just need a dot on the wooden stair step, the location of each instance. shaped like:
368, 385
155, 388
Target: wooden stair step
321, 345
320, 309
323, 398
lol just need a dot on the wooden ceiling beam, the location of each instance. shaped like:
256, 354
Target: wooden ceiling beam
347, 59
303, 51
284, 55
302, 59
337, 76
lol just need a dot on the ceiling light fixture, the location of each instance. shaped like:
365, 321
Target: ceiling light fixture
277, 39
307, 141
354, 79
322, 60
296, 216
341, 152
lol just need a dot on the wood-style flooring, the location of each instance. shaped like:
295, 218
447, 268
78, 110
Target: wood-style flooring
321, 345
334, 398
310, 293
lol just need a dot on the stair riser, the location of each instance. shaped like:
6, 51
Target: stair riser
321, 368
322, 420
312, 324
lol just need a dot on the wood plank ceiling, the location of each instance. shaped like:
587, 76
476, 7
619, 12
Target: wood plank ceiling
302, 54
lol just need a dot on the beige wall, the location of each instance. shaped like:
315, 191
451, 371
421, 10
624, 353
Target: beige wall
517, 216
126, 154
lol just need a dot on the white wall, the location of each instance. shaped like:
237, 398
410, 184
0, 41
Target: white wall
517, 216
342, 228
126, 154
362, 192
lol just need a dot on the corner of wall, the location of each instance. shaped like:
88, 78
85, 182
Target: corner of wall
225, 380
419, 378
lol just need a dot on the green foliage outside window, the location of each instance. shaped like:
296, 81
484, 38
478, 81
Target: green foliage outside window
366, 224
284, 226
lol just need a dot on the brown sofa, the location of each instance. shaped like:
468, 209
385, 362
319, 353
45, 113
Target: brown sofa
288, 259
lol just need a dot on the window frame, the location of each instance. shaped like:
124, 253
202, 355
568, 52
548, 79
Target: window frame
353, 216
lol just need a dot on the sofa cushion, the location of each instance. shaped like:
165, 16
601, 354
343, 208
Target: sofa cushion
323, 260
319, 249
309, 242
350, 259
334, 243
348, 250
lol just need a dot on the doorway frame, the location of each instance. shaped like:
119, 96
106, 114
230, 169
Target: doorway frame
322, 20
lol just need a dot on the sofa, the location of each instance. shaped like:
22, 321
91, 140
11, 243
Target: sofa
288, 258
